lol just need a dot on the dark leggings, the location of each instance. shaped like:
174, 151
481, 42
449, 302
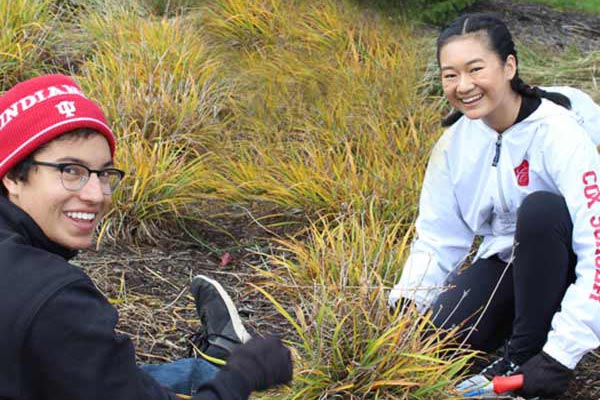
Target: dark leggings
526, 293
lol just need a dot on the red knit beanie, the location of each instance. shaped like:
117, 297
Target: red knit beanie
38, 110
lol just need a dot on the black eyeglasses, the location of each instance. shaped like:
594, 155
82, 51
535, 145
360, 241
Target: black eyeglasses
74, 176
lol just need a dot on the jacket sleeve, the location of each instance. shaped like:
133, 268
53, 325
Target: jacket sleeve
73, 346
576, 327
442, 237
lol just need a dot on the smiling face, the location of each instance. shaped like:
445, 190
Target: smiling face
476, 81
67, 218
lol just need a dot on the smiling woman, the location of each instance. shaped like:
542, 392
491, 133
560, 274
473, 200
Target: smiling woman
516, 167
476, 81
481, 48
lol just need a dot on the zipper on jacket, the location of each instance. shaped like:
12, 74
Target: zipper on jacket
499, 174
498, 147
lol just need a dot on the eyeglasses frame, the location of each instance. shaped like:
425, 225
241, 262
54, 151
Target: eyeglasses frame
62, 166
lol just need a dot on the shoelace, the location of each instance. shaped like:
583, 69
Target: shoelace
197, 340
502, 366
506, 367
201, 340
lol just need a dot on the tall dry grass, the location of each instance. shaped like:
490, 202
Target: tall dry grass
154, 75
571, 68
30, 36
350, 345
325, 113
158, 83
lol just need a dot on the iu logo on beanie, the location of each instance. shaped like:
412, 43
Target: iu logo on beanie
38, 110
66, 108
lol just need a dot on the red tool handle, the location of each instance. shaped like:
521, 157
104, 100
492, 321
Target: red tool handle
504, 384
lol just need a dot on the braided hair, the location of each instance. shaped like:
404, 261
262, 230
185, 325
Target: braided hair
501, 42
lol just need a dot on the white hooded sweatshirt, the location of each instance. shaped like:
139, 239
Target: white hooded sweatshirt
476, 180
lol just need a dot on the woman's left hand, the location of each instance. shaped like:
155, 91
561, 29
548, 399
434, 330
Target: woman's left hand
544, 376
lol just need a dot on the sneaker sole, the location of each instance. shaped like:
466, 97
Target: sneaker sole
238, 327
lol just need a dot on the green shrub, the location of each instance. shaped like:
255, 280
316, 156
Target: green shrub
438, 12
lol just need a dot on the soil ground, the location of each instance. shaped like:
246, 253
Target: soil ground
535, 24
154, 280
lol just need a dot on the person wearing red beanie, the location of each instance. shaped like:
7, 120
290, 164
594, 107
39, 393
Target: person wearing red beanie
57, 329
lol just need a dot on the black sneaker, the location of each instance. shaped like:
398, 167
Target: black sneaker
503, 366
480, 385
222, 328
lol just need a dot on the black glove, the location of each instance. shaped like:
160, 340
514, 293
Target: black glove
544, 376
263, 362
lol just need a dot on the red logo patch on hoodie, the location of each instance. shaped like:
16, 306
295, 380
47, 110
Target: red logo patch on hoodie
522, 173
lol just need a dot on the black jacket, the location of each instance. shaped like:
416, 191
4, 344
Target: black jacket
57, 337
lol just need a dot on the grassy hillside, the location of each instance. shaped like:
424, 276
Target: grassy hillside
314, 118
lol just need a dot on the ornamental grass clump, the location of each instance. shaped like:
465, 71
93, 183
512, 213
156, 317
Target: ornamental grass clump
323, 114
162, 184
352, 348
247, 24
350, 344
155, 74
28, 40
158, 85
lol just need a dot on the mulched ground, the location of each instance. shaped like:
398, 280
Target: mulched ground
150, 288
149, 285
535, 24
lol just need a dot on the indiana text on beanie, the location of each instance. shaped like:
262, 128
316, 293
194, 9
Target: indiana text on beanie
29, 101
39, 109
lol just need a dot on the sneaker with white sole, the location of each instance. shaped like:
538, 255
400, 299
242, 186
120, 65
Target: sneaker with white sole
480, 385
222, 328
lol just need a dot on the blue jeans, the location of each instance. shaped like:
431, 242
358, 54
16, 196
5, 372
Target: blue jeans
182, 376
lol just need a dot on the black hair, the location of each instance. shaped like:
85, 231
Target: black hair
501, 42
20, 172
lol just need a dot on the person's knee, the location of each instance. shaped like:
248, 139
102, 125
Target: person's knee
469, 334
540, 212
481, 342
